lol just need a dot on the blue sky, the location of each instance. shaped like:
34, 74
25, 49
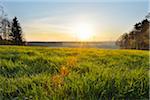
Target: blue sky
49, 20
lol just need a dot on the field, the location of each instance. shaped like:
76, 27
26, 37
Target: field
42, 73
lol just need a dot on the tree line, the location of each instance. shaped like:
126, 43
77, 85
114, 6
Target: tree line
11, 32
138, 38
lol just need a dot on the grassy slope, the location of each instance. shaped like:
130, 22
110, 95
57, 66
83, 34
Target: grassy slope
45, 73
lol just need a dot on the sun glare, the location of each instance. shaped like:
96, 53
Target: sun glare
84, 32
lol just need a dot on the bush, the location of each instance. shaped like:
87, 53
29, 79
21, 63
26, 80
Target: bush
6, 42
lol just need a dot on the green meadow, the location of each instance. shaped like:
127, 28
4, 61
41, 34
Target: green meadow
42, 73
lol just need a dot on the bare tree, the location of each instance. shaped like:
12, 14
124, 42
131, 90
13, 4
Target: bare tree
4, 24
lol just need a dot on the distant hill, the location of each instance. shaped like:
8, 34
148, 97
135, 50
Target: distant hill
107, 45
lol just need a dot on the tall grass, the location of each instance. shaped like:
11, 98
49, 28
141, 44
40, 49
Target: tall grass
41, 73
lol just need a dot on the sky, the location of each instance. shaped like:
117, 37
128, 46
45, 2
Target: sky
73, 20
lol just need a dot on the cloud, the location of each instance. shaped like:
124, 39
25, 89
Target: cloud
46, 29
47, 24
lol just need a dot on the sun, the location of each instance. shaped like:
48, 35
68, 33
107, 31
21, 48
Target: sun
84, 31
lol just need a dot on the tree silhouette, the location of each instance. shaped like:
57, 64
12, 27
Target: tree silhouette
16, 32
1, 38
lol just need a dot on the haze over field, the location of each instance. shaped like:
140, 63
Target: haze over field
76, 21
